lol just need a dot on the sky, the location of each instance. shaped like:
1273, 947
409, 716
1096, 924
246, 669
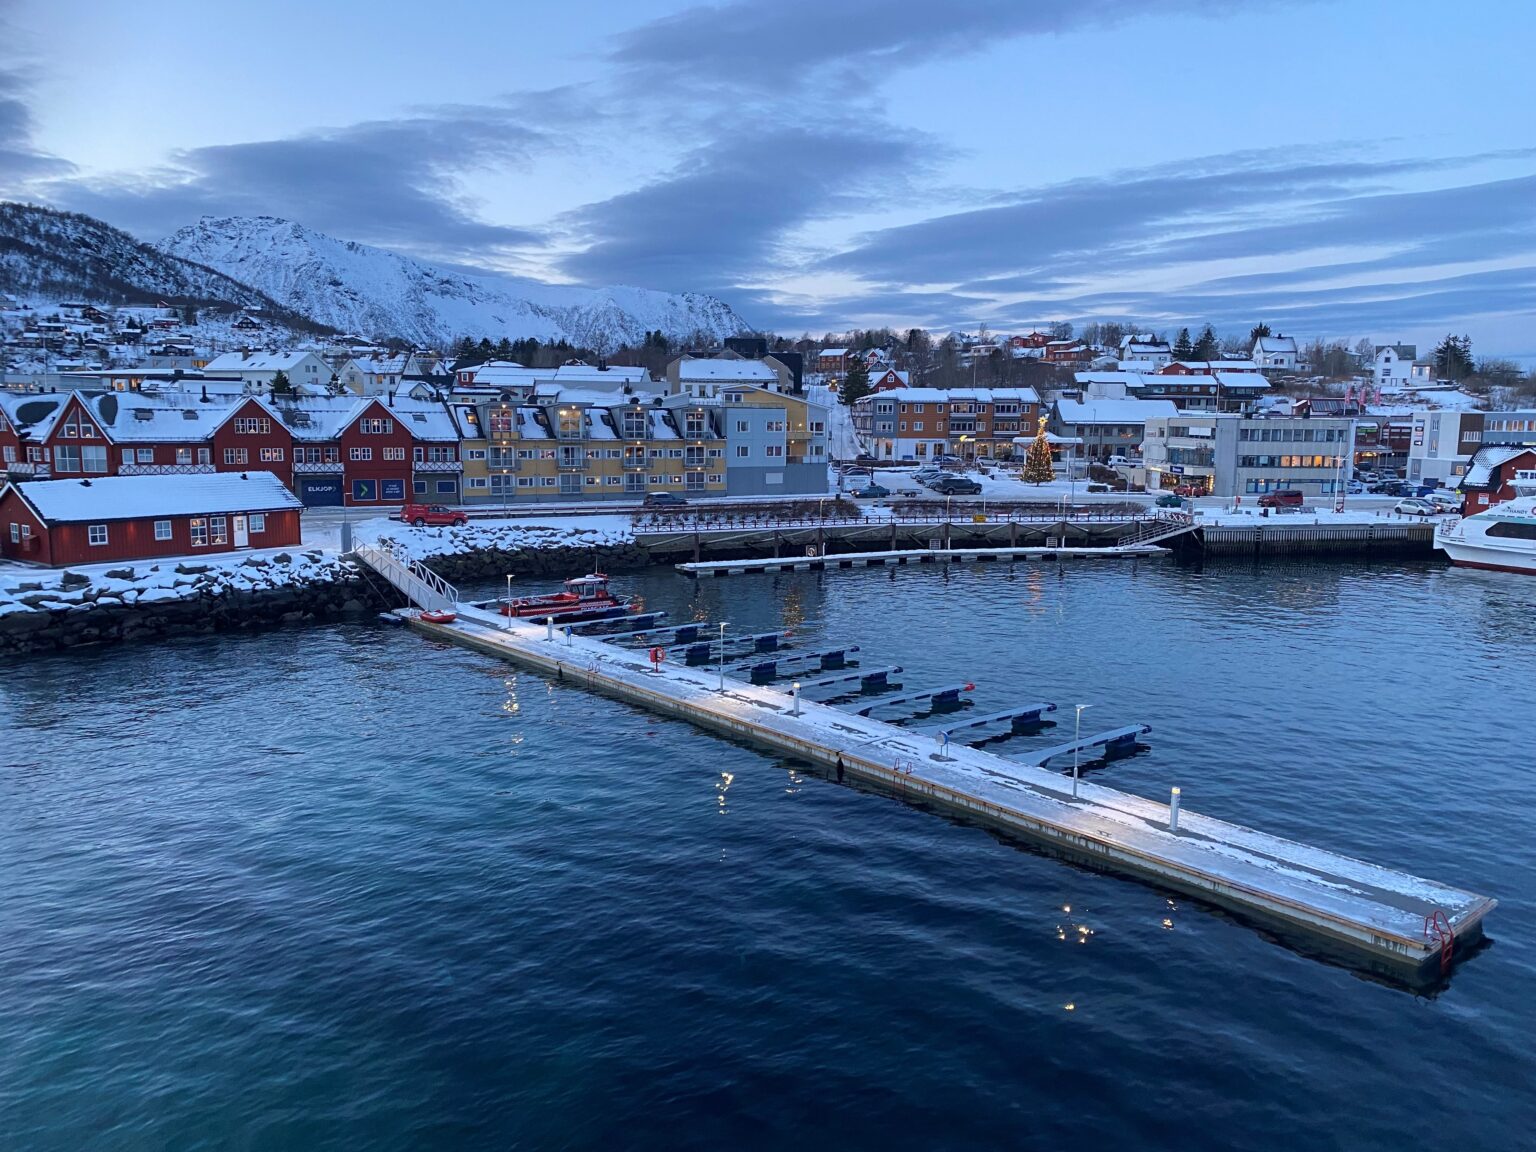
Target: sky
1335, 168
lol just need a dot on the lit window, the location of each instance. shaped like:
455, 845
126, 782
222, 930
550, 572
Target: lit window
199, 528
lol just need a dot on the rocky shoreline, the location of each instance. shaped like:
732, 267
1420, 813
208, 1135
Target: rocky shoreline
145, 601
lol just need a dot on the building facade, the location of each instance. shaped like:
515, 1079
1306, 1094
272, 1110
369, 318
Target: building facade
1235, 456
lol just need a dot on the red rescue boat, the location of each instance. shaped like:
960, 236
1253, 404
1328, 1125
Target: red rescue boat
583, 598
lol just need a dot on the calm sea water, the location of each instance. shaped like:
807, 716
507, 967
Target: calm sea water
342, 888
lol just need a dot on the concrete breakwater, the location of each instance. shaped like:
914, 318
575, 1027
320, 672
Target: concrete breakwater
146, 601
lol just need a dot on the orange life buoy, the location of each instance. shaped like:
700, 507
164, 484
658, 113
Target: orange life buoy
658, 655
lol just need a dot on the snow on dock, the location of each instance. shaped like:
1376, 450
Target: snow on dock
1384, 920
913, 556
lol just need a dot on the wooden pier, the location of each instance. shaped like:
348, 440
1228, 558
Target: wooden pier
1374, 918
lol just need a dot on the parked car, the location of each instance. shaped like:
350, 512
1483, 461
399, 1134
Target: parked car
1413, 506
1444, 502
663, 500
1282, 498
872, 492
1190, 490
1388, 473
1354, 488
1169, 500
432, 515
865, 460
956, 486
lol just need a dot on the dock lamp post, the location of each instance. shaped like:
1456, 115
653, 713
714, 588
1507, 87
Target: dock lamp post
509, 601
794, 693
1077, 734
722, 655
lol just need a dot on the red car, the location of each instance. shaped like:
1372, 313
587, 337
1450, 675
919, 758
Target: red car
434, 515
1189, 490
1282, 498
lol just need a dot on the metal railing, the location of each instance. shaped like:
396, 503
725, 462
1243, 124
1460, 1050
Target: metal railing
308, 467
437, 466
707, 521
418, 583
165, 470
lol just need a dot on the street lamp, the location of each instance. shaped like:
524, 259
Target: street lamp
722, 655
794, 693
1077, 733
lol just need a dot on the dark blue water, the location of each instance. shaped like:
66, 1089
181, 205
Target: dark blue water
341, 888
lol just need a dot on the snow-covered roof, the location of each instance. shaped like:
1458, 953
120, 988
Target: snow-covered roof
1094, 411
703, 369
33, 414
583, 373
503, 373
256, 362
321, 417
1240, 379
1480, 470
1214, 365
424, 419
1276, 344
130, 417
834, 352
135, 497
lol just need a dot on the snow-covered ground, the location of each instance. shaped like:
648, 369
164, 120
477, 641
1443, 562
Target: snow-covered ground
508, 535
842, 443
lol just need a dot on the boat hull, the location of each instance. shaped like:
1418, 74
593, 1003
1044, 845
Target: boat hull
1489, 557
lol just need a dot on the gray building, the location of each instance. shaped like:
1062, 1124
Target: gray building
1231, 455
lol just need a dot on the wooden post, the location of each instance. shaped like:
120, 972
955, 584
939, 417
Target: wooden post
696, 552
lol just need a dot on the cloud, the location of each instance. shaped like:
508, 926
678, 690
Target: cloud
751, 45
21, 161
383, 182
719, 219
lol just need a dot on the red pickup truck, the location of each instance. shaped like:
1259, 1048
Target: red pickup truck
435, 515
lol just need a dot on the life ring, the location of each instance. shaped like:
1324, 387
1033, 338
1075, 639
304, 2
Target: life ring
658, 655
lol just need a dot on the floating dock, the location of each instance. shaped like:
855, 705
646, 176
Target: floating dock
819, 563
1377, 919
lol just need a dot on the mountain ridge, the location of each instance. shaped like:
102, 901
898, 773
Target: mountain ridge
374, 292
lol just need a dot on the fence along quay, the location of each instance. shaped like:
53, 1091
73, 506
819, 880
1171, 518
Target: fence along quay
1376, 919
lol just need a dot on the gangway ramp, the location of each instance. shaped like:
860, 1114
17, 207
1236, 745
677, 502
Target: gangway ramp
418, 583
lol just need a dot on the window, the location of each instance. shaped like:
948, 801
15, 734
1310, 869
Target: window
146, 455
252, 425
742, 451
96, 534
474, 453
199, 529
271, 455
375, 426
360, 454
775, 450
205, 455
447, 487
391, 453
419, 487
236, 456
743, 426
127, 457
15, 532
71, 430
66, 458
476, 482
257, 521
162, 529
218, 529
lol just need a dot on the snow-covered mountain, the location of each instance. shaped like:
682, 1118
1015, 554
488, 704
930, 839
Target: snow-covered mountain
54, 255
376, 293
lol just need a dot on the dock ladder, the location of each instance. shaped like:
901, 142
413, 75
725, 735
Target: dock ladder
1437, 931
418, 583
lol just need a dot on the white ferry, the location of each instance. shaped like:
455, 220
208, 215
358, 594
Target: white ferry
1503, 538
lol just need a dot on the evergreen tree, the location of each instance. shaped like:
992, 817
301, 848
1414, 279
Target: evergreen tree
1453, 358
189, 316
1183, 347
1037, 464
282, 386
1207, 347
1258, 331
504, 349
855, 385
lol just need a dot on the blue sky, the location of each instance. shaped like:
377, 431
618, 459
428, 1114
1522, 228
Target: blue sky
1339, 169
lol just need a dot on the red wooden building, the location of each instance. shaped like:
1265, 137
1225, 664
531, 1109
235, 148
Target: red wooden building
1490, 475
113, 518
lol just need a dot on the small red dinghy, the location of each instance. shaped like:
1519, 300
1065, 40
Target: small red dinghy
439, 616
